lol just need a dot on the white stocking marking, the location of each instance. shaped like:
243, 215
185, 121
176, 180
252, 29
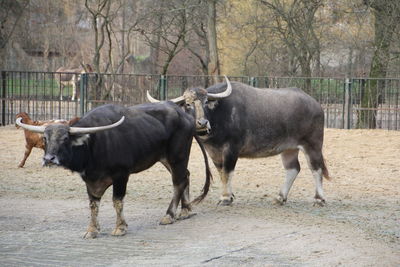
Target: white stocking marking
317, 174
226, 179
291, 175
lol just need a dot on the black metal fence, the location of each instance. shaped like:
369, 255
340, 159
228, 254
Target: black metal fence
43, 96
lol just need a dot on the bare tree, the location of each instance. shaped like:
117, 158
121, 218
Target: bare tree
196, 41
166, 27
125, 31
295, 23
11, 12
213, 64
100, 16
387, 19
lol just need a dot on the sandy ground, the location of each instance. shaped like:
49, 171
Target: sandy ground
44, 212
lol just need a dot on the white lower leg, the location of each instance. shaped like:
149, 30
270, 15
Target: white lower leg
176, 199
226, 179
319, 193
291, 175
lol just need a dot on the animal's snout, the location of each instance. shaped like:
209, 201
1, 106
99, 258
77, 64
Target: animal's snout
49, 160
203, 125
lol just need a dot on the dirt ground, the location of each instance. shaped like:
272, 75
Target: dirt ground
44, 212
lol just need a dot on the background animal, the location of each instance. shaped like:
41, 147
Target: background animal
236, 120
35, 139
110, 142
70, 77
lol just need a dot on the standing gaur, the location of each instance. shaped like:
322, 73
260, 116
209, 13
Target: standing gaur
110, 142
236, 120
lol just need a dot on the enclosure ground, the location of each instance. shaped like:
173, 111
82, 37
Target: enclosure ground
44, 212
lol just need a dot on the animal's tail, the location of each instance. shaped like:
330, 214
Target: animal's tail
325, 171
208, 174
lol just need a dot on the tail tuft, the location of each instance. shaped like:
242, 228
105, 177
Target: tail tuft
209, 177
325, 171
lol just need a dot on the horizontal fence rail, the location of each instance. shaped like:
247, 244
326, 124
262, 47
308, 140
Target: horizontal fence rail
347, 103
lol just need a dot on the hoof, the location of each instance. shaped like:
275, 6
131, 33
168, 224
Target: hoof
167, 219
319, 202
225, 201
279, 201
185, 214
119, 231
91, 235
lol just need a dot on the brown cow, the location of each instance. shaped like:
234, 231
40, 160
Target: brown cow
70, 76
34, 139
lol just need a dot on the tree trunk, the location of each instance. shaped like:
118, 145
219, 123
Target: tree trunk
305, 64
122, 68
213, 65
155, 49
386, 20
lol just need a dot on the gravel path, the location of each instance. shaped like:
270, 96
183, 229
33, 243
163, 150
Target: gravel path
44, 212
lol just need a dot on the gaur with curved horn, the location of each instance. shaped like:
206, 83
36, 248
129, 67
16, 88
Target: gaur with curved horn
111, 142
237, 120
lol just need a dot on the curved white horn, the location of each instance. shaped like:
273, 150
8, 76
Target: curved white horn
88, 130
32, 128
224, 94
151, 99
177, 100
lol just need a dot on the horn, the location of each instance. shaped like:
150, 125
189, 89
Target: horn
88, 130
177, 100
32, 128
151, 99
224, 94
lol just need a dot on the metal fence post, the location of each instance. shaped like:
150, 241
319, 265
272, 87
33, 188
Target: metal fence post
3, 97
163, 87
348, 113
83, 93
253, 81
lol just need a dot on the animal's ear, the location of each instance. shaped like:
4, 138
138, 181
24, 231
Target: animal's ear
73, 120
79, 140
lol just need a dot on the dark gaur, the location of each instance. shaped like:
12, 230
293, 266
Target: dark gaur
111, 142
251, 122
